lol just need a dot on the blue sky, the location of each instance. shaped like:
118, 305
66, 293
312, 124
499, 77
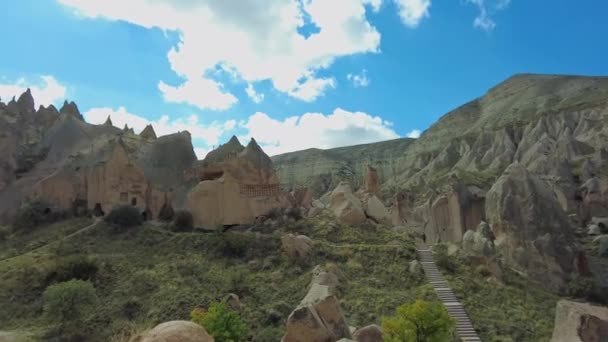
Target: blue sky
292, 73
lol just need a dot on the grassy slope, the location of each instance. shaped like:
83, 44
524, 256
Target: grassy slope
160, 275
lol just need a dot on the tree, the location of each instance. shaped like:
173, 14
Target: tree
421, 321
220, 322
69, 304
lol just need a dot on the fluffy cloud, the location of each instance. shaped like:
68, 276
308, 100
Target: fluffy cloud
209, 134
253, 95
486, 9
47, 91
316, 130
415, 133
413, 11
255, 40
359, 80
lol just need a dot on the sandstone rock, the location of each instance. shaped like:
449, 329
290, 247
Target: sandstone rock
174, 331
238, 185
370, 333
314, 211
233, 301
580, 322
319, 317
296, 246
415, 267
318, 204
376, 210
372, 182
148, 133
345, 206
531, 229
593, 229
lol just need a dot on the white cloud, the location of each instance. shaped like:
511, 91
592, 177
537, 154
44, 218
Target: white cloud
210, 134
415, 133
487, 8
413, 11
253, 95
47, 91
340, 128
359, 80
256, 40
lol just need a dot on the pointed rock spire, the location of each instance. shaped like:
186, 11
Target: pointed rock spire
26, 102
108, 121
148, 132
71, 109
125, 128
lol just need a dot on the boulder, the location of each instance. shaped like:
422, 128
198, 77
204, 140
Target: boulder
593, 229
318, 317
175, 331
376, 210
296, 246
415, 267
602, 245
580, 322
346, 207
532, 230
370, 333
233, 301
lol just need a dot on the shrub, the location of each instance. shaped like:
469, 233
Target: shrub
232, 245
70, 304
36, 213
4, 233
166, 213
580, 287
73, 267
125, 216
421, 321
220, 322
183, 221
443, 260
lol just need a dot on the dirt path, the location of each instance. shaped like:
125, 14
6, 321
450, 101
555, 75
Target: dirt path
79, 231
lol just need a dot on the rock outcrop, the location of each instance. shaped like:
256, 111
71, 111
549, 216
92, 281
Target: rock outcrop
182, 331
580, 322
148, 132
346, 206
319, 317
531, 229
238, 185
370, 333
296, 246
375, 209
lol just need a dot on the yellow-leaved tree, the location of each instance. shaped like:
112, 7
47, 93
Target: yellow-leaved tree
420, 321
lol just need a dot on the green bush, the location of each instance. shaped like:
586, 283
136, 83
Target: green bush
73, 267
166, 213
69, 305
220, 322
421, 321
183, 221
443, 260
36, 213
125, 216
4, 233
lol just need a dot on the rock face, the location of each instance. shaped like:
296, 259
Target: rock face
73, 165
319, 316
346, 206
238, 185
322, 170
174, 331
531, 228
370, 333
580, 322
376, 210
372, 181
296, 246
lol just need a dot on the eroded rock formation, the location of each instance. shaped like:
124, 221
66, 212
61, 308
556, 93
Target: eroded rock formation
182, 331
531, 229
238, 185
580, 322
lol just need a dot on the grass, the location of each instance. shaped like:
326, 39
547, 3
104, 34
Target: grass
148, 275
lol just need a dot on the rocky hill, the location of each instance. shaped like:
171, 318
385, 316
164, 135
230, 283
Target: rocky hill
322, 170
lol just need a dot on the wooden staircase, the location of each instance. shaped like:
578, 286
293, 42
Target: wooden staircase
464, 326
